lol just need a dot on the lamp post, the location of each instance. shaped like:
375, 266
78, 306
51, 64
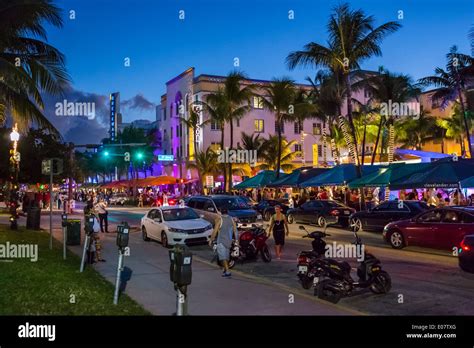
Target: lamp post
15, 162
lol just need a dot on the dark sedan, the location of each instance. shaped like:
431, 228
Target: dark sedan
466, 254
442, 228
376, 218
266, 207
320, 212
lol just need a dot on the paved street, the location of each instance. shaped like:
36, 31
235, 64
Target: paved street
261, 288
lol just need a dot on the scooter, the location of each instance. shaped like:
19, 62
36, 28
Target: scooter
252, 242
333, 278
307, 259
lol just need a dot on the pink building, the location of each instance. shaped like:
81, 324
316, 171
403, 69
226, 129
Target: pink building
177, 141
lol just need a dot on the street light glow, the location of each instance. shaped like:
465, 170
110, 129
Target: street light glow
106, 153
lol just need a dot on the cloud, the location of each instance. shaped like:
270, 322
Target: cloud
138, 102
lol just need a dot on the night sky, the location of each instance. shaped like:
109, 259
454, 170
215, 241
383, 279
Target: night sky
214, 32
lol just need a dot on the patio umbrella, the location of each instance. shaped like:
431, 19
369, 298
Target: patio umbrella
297, 177
157, 180
338, 175
386, 175
442, 174
262, 179
468, 183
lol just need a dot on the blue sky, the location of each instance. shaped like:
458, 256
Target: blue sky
258, 32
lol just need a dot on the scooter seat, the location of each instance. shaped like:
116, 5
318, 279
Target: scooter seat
343, 265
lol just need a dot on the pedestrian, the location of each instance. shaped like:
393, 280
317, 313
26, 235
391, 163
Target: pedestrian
95, 246
225, 231
291, 203
278, 225
140, 200
165, 199
101, 209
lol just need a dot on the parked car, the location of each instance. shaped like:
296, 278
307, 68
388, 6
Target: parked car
266, 207
466, 254
118, 198
442, 228
320, 212
377, 217
249, 201
209, 206
175, 225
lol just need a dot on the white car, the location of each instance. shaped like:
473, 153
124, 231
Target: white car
175, 225
118, 198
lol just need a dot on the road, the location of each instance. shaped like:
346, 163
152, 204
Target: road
424, 281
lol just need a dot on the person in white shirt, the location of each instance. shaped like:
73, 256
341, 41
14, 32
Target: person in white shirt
101, 209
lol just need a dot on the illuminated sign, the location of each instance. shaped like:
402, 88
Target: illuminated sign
165, 158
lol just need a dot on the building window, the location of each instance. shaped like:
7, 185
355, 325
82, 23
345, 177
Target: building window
257, 102
180, 129
298, 150
316, 128
171, 133
215, 125
177, 131
171, 110
177, 107
298, 127
434, 103
282, 125
258, 126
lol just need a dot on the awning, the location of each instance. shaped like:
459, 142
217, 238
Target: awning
262, 179
338, 175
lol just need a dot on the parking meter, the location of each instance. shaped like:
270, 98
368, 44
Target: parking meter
89, 225
64, 220
180, 267
122, 235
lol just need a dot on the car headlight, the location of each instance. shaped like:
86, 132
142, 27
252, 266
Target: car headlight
259, 217
176, 230
208, 227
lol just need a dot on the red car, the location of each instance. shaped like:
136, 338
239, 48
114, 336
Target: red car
442, 228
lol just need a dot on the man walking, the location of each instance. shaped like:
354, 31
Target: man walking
226, 231
101, 209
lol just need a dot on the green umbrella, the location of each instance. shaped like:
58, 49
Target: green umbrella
338, 175
262, 179
297, 177
441, 174
469, 182
386, 175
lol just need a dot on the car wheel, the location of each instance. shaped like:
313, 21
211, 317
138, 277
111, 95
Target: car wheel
322, 221
355, 224
266, 255
164, 239
267, 216
145, 235
290, 218
396, 240
382, 283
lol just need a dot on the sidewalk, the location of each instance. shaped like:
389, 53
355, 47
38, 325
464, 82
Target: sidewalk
209, 293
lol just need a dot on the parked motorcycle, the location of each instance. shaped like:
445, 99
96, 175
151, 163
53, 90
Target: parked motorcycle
307, 259
252, 242
333, 279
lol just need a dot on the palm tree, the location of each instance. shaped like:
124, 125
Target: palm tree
28, 65
453, 127
352, 39
414, 132
363, 121
384, 87
193, 122
270, 159
215, 106
452, 84
205, 164
238, 105
280, 99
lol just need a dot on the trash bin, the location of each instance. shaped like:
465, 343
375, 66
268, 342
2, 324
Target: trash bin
73, 232
33, 218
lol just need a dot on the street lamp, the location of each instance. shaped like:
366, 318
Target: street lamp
15, 162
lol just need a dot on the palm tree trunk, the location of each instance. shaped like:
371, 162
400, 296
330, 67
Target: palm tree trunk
466, 125
279, 147
379, 130
363, 143
354, 138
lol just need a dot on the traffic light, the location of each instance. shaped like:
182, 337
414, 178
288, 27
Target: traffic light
106, 153
140, 155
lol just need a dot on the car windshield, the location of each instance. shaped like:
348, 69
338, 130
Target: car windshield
179, 214
232, 203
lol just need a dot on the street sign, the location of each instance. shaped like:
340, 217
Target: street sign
165, 158
56, 164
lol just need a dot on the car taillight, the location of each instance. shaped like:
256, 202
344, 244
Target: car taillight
302, 259
465, 247
335, 212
